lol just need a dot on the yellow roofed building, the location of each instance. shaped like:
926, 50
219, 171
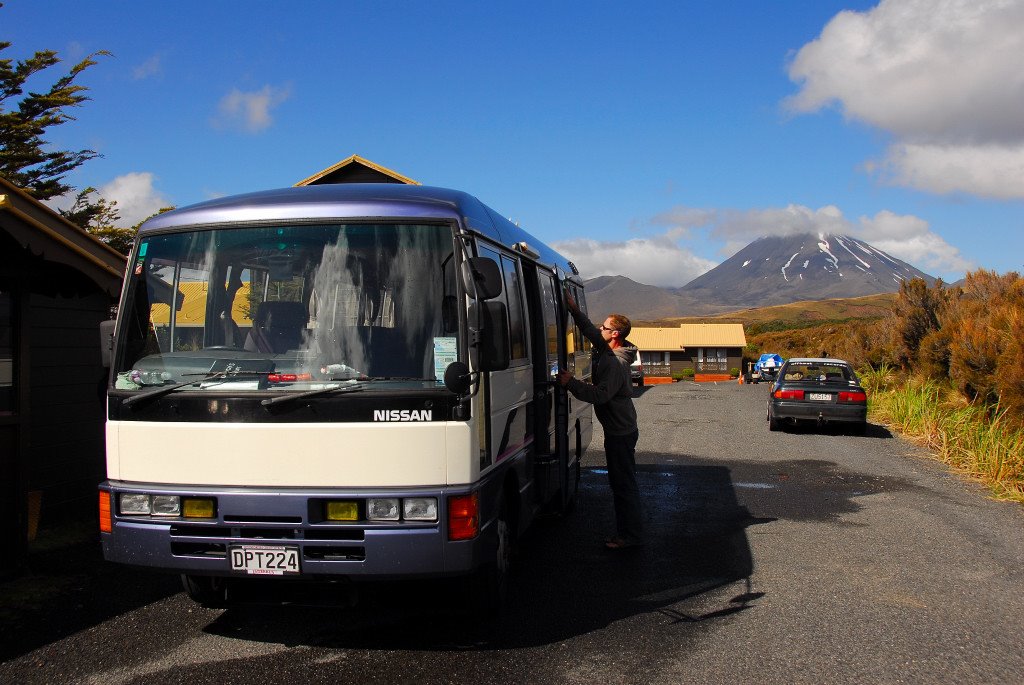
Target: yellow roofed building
714, 351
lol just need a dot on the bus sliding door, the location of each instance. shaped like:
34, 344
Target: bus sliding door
555, 485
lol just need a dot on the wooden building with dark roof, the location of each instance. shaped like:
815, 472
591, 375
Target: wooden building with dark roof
57, 283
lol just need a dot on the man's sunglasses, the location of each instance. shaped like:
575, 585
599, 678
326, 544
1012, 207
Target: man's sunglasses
605, 328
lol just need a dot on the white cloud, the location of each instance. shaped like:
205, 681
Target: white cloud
943, 76
249, 111
682, 220
909, 238
135, 195
989, 171
148, 68
738, 228
652, 261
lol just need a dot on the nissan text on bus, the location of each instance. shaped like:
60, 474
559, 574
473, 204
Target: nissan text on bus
339, 382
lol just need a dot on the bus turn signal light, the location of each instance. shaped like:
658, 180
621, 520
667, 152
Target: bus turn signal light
106, 520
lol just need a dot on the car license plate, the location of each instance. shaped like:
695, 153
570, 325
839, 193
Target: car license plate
265, 560
819, 396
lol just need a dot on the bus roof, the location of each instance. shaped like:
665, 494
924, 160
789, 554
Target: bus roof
357, 201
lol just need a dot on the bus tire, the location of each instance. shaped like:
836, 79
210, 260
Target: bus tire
490, 584
209, 591
572, 485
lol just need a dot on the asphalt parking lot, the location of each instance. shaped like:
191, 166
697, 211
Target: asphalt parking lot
799, 556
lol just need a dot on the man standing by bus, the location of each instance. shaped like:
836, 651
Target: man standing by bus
611, 393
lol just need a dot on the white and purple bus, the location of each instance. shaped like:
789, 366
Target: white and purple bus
339, 381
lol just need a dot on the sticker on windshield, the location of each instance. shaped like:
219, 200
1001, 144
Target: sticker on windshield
446, 350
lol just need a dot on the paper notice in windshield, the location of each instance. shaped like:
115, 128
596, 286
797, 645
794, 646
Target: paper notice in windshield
446, 350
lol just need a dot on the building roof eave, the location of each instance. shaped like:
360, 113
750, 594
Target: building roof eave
356, 159
43, 231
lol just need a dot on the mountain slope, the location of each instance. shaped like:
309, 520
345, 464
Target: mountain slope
782, 269
618, 294
772, 270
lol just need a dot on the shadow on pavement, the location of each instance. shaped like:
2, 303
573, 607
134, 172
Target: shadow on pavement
67, 587
565, 583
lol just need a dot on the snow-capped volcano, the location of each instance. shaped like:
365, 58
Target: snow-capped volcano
781, 269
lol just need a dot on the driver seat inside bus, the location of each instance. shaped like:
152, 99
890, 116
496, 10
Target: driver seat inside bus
277, 327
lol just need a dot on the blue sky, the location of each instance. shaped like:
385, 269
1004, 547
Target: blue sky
649, 139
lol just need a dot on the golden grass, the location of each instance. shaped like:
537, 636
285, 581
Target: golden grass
968, 438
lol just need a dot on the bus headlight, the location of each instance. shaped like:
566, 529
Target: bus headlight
134, 504
419, 509
166, 505
382, 508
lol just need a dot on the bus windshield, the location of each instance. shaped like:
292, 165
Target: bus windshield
289, 308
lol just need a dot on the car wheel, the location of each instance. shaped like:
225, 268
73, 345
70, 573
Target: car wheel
640, 383
773, 423
211, 592
859, 428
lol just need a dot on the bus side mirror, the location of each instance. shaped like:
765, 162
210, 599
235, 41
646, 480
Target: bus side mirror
481, 278
107, 341
489, 344
457, 378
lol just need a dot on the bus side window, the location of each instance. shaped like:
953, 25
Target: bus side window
547, 290
516, 310
512, 296
577, 345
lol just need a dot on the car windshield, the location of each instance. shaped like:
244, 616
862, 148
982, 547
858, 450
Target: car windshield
289, 307
822, 372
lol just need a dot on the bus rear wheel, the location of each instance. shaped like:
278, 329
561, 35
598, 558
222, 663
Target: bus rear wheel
209, 591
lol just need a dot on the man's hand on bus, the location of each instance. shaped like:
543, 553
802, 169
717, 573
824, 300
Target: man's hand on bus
564, 377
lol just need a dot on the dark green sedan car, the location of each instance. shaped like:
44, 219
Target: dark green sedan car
819, 391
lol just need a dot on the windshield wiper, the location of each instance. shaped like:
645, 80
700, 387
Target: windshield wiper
220, 377
396, 378
336, 389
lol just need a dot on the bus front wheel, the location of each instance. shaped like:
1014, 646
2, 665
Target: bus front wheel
490, 584
208, 591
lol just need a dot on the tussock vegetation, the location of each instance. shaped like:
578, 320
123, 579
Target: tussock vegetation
953, 359
979, 441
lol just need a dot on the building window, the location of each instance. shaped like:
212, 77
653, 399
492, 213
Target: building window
712, 359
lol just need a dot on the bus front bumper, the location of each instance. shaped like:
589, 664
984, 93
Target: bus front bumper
290, 522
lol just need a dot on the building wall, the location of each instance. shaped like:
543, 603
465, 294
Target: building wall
689, 360
56, 421
65, 429
686, 359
